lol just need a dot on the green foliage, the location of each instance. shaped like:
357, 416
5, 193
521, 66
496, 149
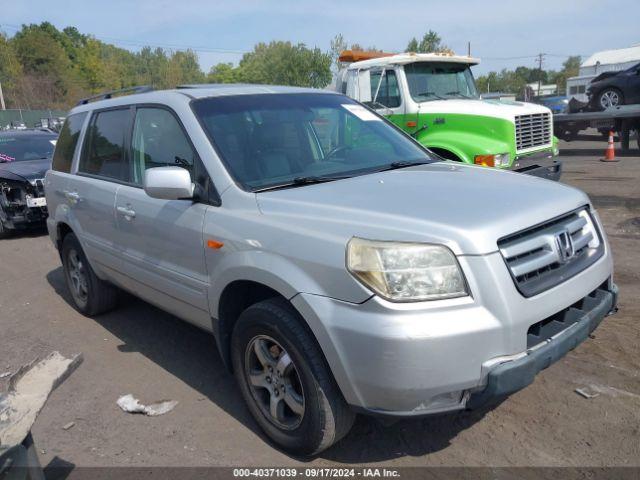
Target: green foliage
514, 81
223, 73
278, 63
43, 67
430, 43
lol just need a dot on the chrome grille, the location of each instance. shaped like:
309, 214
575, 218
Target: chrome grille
545, 255
533, 130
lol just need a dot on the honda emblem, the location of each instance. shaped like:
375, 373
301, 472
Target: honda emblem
564, 245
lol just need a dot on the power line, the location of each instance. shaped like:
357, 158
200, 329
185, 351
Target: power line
170, 46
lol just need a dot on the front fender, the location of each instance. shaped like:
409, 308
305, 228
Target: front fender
270, 269
465, 145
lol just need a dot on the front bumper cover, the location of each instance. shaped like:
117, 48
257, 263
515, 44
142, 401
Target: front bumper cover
540, 164
514, 375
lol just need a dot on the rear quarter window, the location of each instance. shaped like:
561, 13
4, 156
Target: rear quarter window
67, 142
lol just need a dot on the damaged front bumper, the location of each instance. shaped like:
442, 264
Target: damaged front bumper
575, 324
22, 204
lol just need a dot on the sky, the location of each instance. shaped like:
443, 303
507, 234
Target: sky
502, 34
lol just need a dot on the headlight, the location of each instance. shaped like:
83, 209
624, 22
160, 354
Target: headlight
406, 272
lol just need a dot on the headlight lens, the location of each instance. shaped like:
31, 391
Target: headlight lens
406, 272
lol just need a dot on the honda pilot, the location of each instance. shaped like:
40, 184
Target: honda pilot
341, 267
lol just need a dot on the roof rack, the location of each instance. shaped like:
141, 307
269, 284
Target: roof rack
122, 91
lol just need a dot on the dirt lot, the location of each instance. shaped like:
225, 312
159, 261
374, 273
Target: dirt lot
141, 350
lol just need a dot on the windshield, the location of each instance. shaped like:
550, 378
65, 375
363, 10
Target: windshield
280, 139
440, 81
25, 147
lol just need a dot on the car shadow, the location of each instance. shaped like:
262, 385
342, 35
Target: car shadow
191, 355
32, 232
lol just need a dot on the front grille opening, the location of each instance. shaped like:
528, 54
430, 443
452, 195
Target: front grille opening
545, 329
535, 260
533, 130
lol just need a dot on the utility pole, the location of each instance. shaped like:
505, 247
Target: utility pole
468, 49
2, 106
540, 59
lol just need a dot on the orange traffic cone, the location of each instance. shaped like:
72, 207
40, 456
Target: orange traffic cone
610, 152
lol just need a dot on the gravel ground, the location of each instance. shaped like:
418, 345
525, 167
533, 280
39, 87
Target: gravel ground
141, 350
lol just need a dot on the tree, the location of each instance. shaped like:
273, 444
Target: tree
183, 68
570, 68
223, 73
338, 45
282, 63
430, 43
10, 72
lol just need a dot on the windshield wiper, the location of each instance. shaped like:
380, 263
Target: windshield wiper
403, 164
458, 94
431, 94
300, 181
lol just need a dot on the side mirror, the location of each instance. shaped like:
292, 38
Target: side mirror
168, 183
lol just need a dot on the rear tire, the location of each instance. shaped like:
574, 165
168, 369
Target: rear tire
315, 415
91, 296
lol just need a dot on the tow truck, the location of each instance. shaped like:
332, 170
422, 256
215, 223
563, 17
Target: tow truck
433, 97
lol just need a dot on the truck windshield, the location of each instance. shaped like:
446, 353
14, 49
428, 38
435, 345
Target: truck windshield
20, 147
293, 139
439, 81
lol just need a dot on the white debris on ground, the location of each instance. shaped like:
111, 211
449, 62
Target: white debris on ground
586, 394
29, 389
5, 374
130, 404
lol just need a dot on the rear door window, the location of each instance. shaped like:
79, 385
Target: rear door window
67, 142
104, 155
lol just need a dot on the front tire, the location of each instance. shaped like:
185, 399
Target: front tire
285, 381
91, 296
610, 97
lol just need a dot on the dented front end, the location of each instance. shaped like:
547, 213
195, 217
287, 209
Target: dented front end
22, 203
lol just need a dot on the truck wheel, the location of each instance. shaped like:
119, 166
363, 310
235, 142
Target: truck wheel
285, 381
91, 296
610, 97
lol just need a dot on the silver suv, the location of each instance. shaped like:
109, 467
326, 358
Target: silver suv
340, 266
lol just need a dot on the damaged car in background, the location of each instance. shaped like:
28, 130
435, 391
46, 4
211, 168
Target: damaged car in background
25, 157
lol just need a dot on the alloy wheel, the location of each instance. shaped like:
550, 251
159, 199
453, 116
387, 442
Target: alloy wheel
77, 273
610, 98
274, 382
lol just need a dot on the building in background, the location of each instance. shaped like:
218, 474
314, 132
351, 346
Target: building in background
605, 61
543, 89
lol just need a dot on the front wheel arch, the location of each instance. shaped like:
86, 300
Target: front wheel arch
446, 154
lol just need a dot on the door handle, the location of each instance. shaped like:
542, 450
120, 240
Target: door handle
126, 212
73, 197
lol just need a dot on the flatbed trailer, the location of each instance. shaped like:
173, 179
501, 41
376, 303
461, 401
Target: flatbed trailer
622, 119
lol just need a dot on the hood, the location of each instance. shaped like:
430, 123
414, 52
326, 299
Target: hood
25, 170
488, 108
604, 75
464, 207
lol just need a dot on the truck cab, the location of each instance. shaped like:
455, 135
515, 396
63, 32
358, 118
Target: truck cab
433, 97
